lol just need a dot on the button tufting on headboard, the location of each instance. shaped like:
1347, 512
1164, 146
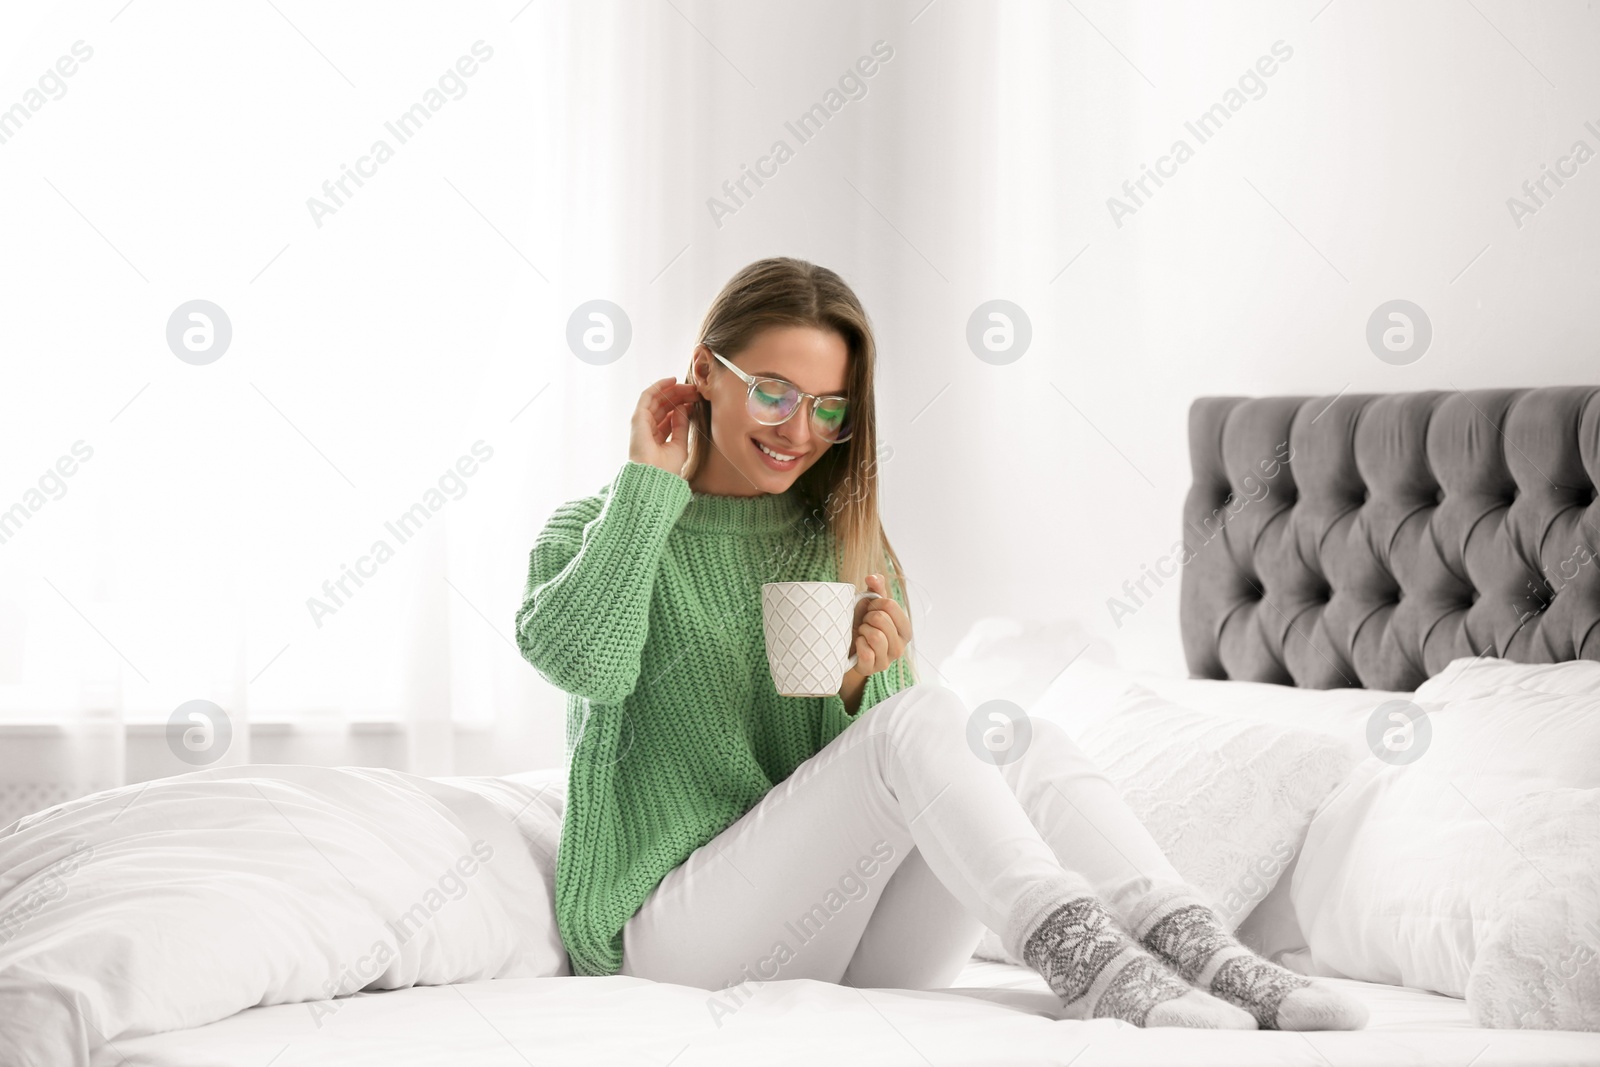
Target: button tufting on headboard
1369, 540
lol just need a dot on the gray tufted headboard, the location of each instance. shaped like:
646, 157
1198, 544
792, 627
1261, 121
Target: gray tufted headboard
1369, 540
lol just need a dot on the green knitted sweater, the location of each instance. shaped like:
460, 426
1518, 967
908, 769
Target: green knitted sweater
643, 604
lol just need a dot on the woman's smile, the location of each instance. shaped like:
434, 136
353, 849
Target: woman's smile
769, 456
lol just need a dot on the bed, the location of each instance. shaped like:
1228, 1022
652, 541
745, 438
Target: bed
1355, 570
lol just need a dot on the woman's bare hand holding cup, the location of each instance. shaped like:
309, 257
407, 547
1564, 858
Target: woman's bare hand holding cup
884, 631
881, 637
659, 432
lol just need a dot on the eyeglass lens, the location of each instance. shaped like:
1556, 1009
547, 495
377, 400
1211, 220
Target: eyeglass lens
773, 401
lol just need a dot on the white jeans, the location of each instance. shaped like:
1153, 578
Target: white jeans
878, 862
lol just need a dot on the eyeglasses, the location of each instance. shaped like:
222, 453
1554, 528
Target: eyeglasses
773, 401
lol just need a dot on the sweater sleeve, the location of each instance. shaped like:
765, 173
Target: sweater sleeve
880, 687
585, 608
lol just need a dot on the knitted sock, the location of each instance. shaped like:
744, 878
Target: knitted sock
1181, 929
1100, 972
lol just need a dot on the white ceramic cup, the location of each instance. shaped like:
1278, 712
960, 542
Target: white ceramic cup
809, 633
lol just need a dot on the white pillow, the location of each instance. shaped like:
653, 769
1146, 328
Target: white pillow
1415, 871
180, 901
1090, 691
1341, 713
1483, 675
1272, 931
1227, 798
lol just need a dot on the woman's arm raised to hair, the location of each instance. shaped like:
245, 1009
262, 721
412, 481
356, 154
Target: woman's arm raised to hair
586, 607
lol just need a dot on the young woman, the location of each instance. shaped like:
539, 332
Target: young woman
718, 834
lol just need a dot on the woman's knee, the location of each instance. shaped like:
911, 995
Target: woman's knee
923, 717
924, 706
1006, 737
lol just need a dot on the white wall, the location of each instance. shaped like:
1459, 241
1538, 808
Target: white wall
373, 350
1376, 165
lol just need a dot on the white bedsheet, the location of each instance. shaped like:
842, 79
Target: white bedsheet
997, 1014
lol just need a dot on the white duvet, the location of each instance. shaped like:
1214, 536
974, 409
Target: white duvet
179, 902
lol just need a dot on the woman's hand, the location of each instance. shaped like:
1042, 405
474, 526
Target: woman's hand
659, 433
883, 633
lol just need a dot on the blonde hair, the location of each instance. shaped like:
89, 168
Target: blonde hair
840, 490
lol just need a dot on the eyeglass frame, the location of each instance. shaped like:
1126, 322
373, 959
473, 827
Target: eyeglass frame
750, 381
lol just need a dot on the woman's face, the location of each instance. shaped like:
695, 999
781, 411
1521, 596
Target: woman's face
813, 360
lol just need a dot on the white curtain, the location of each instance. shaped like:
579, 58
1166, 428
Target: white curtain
210, 549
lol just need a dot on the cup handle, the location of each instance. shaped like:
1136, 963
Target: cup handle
850, 665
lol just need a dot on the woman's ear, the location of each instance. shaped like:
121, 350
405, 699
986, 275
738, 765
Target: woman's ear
700, 370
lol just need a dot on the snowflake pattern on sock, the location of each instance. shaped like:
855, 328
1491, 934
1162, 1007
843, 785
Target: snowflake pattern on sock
1189, 937
1073, 945
1257, 986
1137, 988
1077, 941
